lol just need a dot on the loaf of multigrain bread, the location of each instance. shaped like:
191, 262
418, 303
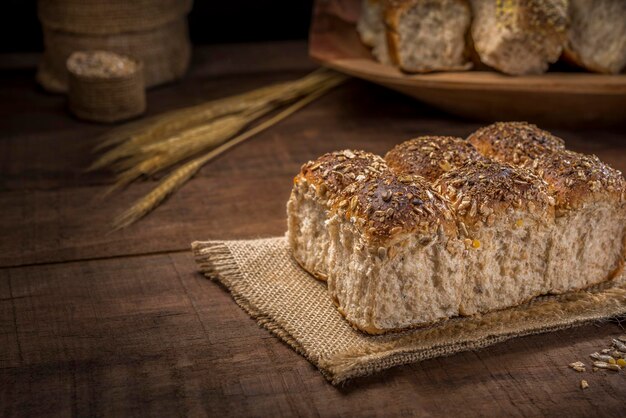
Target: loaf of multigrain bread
444, 226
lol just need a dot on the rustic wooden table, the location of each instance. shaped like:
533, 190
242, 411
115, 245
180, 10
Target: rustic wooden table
98, 323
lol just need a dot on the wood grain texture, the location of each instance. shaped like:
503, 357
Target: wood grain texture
151, 336
122, 324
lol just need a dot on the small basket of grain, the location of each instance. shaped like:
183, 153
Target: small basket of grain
105, 87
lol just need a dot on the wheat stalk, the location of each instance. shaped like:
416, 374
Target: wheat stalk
155, 157
179, 176
129, 139
151, 158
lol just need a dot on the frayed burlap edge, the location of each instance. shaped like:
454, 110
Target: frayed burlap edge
217, 263
544, 314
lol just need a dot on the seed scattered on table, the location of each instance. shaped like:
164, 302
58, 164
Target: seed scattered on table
619, 345
579, 366
607, 366
602, 357
613, 358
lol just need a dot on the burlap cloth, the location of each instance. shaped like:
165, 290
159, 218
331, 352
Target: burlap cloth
272, 288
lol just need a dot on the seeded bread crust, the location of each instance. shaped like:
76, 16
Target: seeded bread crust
359, 185
480, 192
431, 156
514, 142
577, 179
574, 179
334, 171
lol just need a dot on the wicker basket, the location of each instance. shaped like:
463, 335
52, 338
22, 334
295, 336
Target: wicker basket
106, 98
160, 40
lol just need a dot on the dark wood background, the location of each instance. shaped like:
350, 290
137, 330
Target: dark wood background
100, 323
210, 22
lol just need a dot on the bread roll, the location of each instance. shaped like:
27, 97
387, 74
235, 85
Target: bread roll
596, 38
514, 142
370, 23
431, 156
519, 36
428, 35
417, 35
505, 217
385, 243
318, 182
371, 28
588, 240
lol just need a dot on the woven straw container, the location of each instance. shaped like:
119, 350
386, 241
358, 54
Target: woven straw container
153, 31
105, 87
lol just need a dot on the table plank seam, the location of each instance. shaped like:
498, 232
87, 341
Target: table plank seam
88, 259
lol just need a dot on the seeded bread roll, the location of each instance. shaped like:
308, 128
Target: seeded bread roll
589, 240
587, 243
505, 218
431, 156
519, 36
514, 142
391, 260
500, 210
318, 182
427, 35
385, 243
596, 38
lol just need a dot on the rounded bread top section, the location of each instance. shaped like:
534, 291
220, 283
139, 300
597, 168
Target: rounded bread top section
514, 142
387, 206
431, 156
482, 192
577, 179
334, 171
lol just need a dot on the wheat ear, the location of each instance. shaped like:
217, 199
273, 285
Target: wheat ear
179, 176
131, 137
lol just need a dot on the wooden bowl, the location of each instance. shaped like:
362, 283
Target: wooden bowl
554, 98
